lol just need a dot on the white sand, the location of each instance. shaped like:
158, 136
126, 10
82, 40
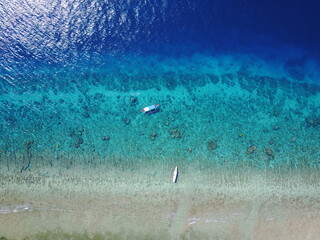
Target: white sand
199, 206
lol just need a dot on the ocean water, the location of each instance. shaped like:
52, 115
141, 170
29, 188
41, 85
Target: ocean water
238, 83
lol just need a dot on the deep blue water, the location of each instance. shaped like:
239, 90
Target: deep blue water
57, 33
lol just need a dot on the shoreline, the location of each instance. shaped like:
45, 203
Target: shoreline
116, 202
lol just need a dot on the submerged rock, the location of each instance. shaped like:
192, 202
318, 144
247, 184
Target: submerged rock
276, 112
212, 144
276, 127
80, 131
71, 133
85, 114
105, 138
133, 101
269, 152
127, 121
153, 136
98, 96
271, 141
79, 140
293, 139
251, 149
312, 121
175, 133
28, 144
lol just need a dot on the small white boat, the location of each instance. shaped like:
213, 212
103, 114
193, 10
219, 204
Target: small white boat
151, 109
175, 174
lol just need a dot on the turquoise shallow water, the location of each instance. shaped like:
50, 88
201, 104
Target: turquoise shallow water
226, 110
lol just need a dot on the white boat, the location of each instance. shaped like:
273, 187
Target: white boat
151, 109
175, 174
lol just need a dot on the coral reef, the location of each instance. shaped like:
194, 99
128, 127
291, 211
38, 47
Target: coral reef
75, 115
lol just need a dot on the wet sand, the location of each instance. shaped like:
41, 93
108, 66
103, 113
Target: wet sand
122, 204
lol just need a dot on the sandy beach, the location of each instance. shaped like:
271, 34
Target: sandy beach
119, 204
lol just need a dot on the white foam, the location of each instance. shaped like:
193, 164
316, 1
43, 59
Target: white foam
15, 209
206, 220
